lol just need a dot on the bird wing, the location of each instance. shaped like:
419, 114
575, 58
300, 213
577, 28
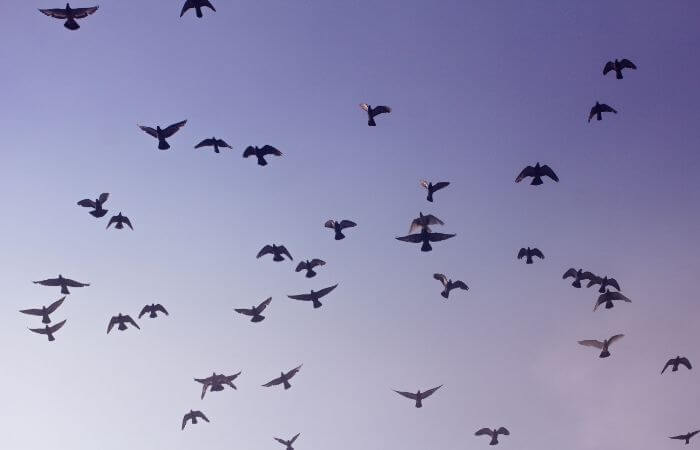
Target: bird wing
627, 64
592, 343
274, 382
325, 291
112, 220
87, 203
410, 395
461, 285
283, 250
201, 414
32, 311
317, 262
613, 282
54, 306
302, 297
587, 275
222, 143
144, 310
546, 170
429, 392
607, 108
693, 433
617, 337
281, 441
49, 282
599, 302
432, 220
538, 253
270, 150
128, 319
293, 372
616, 296
73, 283
261, 307
112, 322
522, 252
503, 430
594, 109
381, 110
56, 327
680, 437
301, 266
103, 197
185, 418
205, 143
81, 13
594, 279
150, 131
441, 278
56, 13
685, 362
668, 363
424, 183
245, 311
172, 129
364, 106
330, 223
484, 431
608, 67
161, 308
347, 224
415, 238
264, 251
291, 441
127, 221
440, 185
570, 273
529, 171
249, 151
436, 237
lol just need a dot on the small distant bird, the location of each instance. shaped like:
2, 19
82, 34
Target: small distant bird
617, 66
120, 221
449, 284
69, 14
163, 134
217, 382
529, 253
261, 153
537, 173
65, 283
289, 442
685, 437
152, 310
418, 396
278, 251
373, 112
314, 296
604, 346
677, 361
603, 282
284, 378
608, 297
493, 434
339, 227
49, 330
598, 111
198, 5
432, 188
578, 275
213, 142
255, 311
193, 416
44, 311
423, 223
309, 266
425, 237
96, 204
122, 320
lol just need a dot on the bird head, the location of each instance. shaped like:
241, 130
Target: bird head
68, 6
537, 166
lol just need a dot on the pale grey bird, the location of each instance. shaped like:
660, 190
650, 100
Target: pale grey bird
603, 346
685, 437
493, 434
197, 5
418, 396
284, 378
213, 142
65, 283
603, 282
44, 311
598, 110
70, 14
677, 361
608, 297
309, 266
163, 134
120, 220
373, 112
617, 67
425, 238
98, 210
339, 227
537, 173
277, 251
423, 223
49, 330
578, 276
528, 253
314, 296
448, 284
255, 311
193, 416
261, 152
432, 188
121, 320
289, 442
152, 310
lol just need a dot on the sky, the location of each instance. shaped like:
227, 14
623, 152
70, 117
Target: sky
479, 90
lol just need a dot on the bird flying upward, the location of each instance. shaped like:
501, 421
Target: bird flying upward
418, 396
49, 330
578, 275
197, 5
425, 238
528, 253
685, 437
608, 297
309, 266
163, 134
283, 378
604, 346
96, 204
289, 442
449, 284
314, 296
193, 416
120, 221
278, 252
432, 188
598, 110
537, 173
373, 112
44, 311
339, 227
675, 362
213, 142
65, 283
217, 382
423, 223
261, 153
255, 311
617, 66
70, 14
121, 320
152, 310
603, 282
493, 434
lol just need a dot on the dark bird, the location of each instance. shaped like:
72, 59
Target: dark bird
278, 251
163, 134
603, 282
598, 111
65, 283
423, 223
685, 437
289, 442
193, 416
493, 434
69, 14
425, 237
529, 253
604, 346
122, 320
608, 297
197, 5
537, 173
432, 188
217, 382
309, 266
314, 296
44, 311
255, 311
283, 378
449, 284
213, 142
261, 153
418, 396
578, 275
617, 66
95, 204
152, 310
675, 362
339, 227
49, 330
373, 112
120, 221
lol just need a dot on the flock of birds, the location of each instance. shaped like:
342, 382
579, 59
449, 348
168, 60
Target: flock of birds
420, 232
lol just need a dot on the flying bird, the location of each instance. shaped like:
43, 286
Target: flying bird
675, 362
598, 111
608, 297
604, 346
122, 320
493, 434
309, 266
217, 382
418, 396
578, 275
289, 442
213, 142
685, 437
537, 173
339, 227
198, 5
432, 188
163, 134
283, 378
423, 223
120, 221
49, 330
70, 14
314, 296
528, 253
603, 282
617, 66
96, 204
65, 283
425, 237
278, 251
373, 112
45, 311
261, 153
255, 311
193, 416
449, 284
152, 310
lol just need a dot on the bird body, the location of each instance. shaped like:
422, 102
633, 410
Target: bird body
418, 396
216, 382
578, 275
449, 284
528, 253
675, 362
373, 112
608, 297
213, 142
603, 282
197, 5
425, 238
617, 67
423, 223
284, 378
65, 283
98, 210
432, 188
152, 310
309, 266
121, 320
45, 311
493, 434
70, 14
255, 311
685, 437
261, 152
277, 251
49, 330
314, 296
598, 110
537, 173
338, 227
288, 443
162, 134
192, 416
120, 220
603, 346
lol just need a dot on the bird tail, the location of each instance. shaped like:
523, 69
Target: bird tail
609, 304
287, 385
45, 319
599, 116
602, 289
51, 338
64, 290
339, 235
618, 74
163, 145
430, 196
419, 403
261, 161
371, 122
310, 274
199, 12
494, 439
257, 319
426, 247
528, 260
604, 354
445, 293
576, 284
536, 181
317, 304
71, 24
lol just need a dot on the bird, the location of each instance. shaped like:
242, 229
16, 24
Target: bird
289, 442
120, 220
261, 152
373, 112
425, 237
309, 266
675, 362
608, 297
432, 188
537, 173
152, 310
163, 134
598, 110
65, 283
493, 434
339, 227
213, 142
603, 282
449, 284
604, 346
217, 382
198, 5
418, 396
70, 14
617, 66
278, 251
284, 378
122, 320
314, 296
49, 330
192, 416
255, 311
685, 437
423, 222
578, 275
45, 311
96, 204
529, 253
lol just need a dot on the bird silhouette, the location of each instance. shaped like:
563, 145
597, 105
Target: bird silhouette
309, 266
120, 221
163, 134
423, 223
537, 173
255, 311
578, 275
528, 253
96, 204
418, 396
278, 252
603, 282
604, 346
65, 283
44, 311
598, 110
289, 442
213, 142
432, 188
70, 14
339, 227
122, 320
314, 296
425, 237
283, 378
675, 362
152, 310
493, 434
449, 284
608, 297
197, 5
261, 153
49, 330
373, 112
685, 437
216, 382
617, 66
193, 416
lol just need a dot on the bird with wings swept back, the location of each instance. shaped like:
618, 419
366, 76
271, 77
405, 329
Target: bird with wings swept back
120, 220
603, 346
675, 362
216, 382
284, 378
608, 297
121, 320
289, 442
432, 188
528, 253
65, 283
423, 222
197, 5
537, 173
598, 109
44, 311
603, 282
255, 311
70, 14
373, 112
425, 238
277, 251
577, 275
49, 330
96, 204
309, 266
261, 153
685, 437
213, 142
338, 227
152, 310
617, 66
418, 396
193, 416
314, 296
493, 434
163, 134
449, 284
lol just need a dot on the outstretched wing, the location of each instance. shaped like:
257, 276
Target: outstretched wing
607, 108
593, 280
570, 273
608, 67
54, 306
325, 291
127, 222
49, 282
330, 223
281, 441
261, 307
265, 251
270, 150
538, 253
611, 295
128, 319
32, 311
522, 253
302, 297
546, 170
594, 111
436, 237
54, 328
73, 283
627, 64
415, 238
617, 337
291, 441
429, 392
245, 311
201, 415
504, 431
484, 431
87, 203
461, 285
149, 130
112, 220
172, 129
222, 143
112, 322
81, 13
685, 362
588, 276
293, 372
347, 224
440, 185
283, 250
410, 395
316, 262
205, 143
56, 13
301, 266
103, 197
529, 171
161, 308
381, 109
680, 437
592, 343
666, 366
145, 310
274, 382
364, 106
613, 282
441, 278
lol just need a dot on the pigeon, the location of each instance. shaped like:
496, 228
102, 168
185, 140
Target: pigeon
602, 345
278, 251
283, 378
419, 396
120, 220
449, 284
529, 253
537, 173
608, 297
49, 330
96, 205
314, 296
192, 416
289, 442
339, 227
603, 282
373, 112
598, 111
163, 134
216, 382
675, 362
493, 434
432, 188
152, 310
213, 142
198, 5
65, 283
425, 237
260, 153
309, 266
255, 311
122, 320
44, 312
578, 275
617, 66
70, 14
685, 437
423, 223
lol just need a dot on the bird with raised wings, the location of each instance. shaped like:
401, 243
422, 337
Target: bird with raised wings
425, 237
448, 284
598, 109
277, 251
121, 320
255, 311
163, 134
70, 14
216, 382
528, 253
49, 330
373, 112
578, 276
197, 5
152, 310
309, 266
192, 416
289, 442
283, 378
261, 153
423, 222
213, 142
65, 283
493, 434
617, 66
675, 362
314, 296
418, 396
608, 297
44, 311
432, 188
604, 282
338, 227
603, 346
120, 220
537, 173
98, 211
685, 437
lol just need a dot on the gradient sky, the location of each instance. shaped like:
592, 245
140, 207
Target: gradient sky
479, 89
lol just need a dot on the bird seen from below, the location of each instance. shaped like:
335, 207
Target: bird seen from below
192, 416
289, 442
121, 320
604, 283
65, 283
537, 173
617, 67
528, 253
418, 396
284, 378
213, 142
685, 437
449, 284
675, 362
152, 310
45, 311
598, 110
423, 223
608, 297
96, 204
216, 382
425, 238
261, 153
49, 330
309, 266
339, 227
197, 5
577, 275
70, 14
314, 296
255, 311
373, 112
120, 220
603, 346
277, 251
493, 434
433, 188
163, 134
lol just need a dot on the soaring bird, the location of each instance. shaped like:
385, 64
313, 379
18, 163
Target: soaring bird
255, 311
152, 310
339, 227
69, 14
617, 66
418, 396
49, 330
449, 284
163, 134
289, 442
314, 296
578, 275
193, 416
685, 437
309, 266
528, 253
537, 173
493, 434
217, 382
608, 297
373, 112
65, 283
120, 221
675, 362
198, 5
45, 310
122, 320
423, 222
425, 237
603, 282
213, 142
283, 378
598, 110
604, 346
278, 251
261, 153
432, 188
96, 205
